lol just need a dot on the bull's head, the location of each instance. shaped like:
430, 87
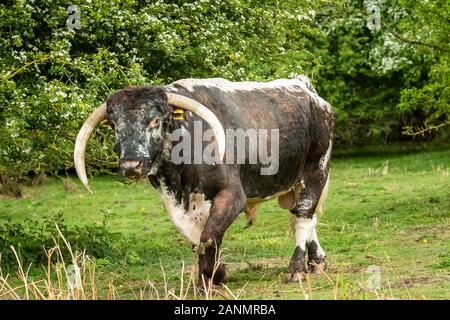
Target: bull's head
143, 121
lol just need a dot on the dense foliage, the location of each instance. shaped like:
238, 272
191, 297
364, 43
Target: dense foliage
52, 76
32, 240
371, 75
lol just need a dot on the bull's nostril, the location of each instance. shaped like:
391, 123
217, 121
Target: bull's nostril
130, 164
132, 168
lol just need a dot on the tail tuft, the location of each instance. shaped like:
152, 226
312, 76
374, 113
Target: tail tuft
321, 205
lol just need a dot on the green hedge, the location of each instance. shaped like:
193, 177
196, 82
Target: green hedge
52, 77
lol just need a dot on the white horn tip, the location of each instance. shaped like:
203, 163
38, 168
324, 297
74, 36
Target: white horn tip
88, 188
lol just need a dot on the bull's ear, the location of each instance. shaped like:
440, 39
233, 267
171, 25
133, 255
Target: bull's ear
113, 99
158, 93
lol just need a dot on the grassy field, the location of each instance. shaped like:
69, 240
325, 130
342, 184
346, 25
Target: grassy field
386, 212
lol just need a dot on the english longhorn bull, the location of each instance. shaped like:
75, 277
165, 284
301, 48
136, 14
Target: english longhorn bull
203, 199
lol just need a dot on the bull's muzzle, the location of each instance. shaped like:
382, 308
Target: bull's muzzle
132, 168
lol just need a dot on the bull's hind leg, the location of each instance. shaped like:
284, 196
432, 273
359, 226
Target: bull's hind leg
308, 202
306, 242
316, 255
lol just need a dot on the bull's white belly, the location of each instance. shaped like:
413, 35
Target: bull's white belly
192, 221
189, 222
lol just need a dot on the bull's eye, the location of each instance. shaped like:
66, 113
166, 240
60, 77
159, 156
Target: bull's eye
154, 123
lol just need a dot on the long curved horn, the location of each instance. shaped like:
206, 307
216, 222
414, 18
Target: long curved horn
86, 130
204, 113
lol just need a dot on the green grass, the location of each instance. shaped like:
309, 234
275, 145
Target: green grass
391, 211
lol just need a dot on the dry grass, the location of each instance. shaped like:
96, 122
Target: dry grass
77, 279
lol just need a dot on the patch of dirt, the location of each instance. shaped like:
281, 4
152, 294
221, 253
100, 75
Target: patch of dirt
69, 185
351, 184
22, 197
283, 262
347, 269
122, 203
260, 264
391, 187
10, 187
419, 280
433, 229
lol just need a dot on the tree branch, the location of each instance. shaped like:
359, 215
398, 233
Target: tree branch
414, 42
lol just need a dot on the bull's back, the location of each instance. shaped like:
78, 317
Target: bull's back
286, 105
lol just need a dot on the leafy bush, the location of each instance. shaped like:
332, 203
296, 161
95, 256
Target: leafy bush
381, 80
31, 239
52, 77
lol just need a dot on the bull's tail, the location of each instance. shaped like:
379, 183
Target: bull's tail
321, 205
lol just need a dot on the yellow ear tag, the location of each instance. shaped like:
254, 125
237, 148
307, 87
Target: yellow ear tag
178, 114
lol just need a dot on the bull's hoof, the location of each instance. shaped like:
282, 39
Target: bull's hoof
294, 277
317, 266
222, 275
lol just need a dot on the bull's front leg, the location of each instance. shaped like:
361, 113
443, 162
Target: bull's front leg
226, 206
